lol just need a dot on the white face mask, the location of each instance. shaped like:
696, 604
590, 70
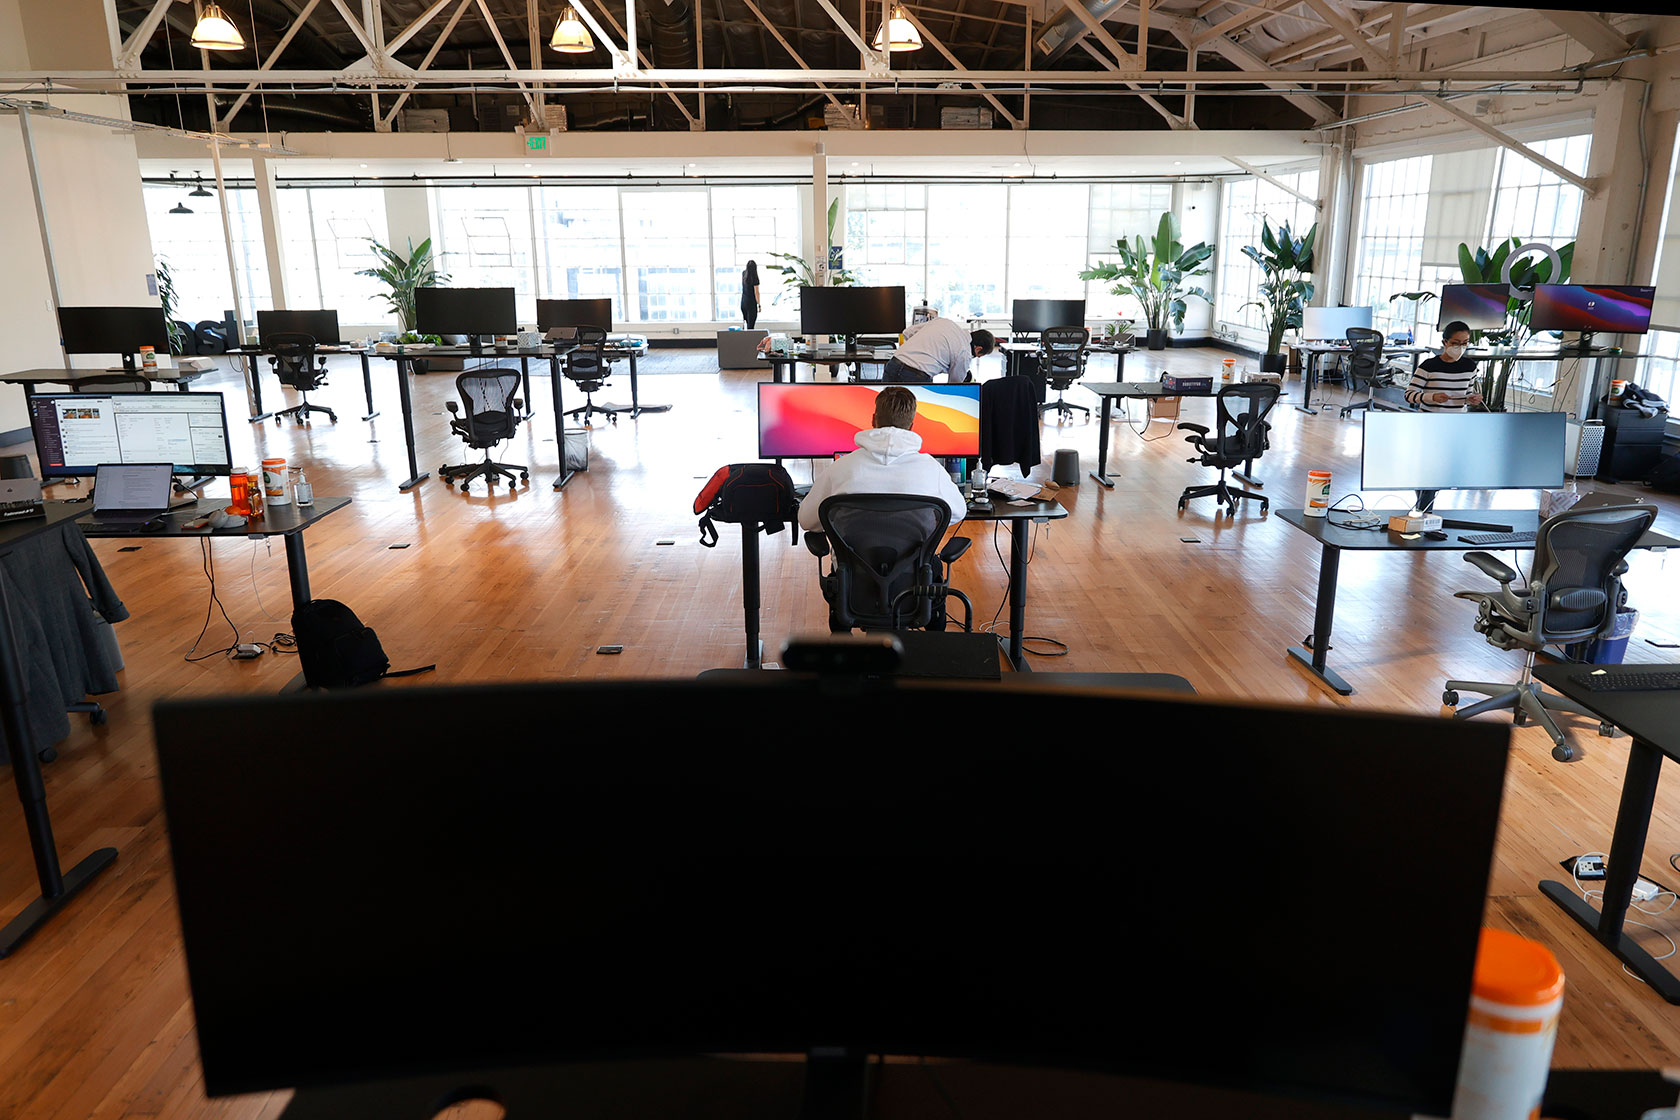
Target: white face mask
1453, 352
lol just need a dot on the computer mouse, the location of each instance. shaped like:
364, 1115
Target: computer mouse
222, 519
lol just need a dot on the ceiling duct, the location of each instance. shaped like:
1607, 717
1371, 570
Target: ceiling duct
1067, 29
672, 46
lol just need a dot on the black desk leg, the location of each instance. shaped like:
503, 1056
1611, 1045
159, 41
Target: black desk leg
635, 401
367, 386
525, 380
1309, 381
297, 569
253, 377
57, 888
1323, 613
415, 478
559, 421
1101, 473
1019, 529
1247, 474
749, 592
1627, 845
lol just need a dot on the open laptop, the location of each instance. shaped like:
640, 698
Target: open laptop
127, 497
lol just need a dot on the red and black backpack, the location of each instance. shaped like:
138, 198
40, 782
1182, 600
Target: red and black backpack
744, 493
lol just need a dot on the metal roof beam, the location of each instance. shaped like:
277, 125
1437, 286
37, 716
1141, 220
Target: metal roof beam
788, 47
273, 56
1374, 58
1510, 143
1591, 30
1014, 121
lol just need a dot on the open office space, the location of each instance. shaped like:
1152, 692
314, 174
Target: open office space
564, 843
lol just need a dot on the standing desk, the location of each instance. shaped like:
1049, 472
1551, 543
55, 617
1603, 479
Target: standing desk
253, 375
29, 378
1109, 391
1018, 516
1013, 352
1315, 352
1652, 720
1311, 652
862, 356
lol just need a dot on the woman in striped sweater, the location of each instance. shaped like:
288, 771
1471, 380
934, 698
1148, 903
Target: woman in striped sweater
1444, 384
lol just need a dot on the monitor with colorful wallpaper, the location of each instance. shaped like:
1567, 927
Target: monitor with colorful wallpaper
818, 421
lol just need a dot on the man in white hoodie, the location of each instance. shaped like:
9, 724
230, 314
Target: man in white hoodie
888, 460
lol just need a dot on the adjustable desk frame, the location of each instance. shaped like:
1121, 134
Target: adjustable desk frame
1142, 390
1020, 529
789, 360
253, 376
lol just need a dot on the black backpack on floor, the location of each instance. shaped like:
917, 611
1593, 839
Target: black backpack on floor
336, 650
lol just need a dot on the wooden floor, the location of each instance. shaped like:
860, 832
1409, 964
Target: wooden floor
94, 1018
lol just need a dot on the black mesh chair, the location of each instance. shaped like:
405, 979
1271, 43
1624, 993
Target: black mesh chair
492, 416
889, 571
587, 367
1573, 591
1061, 359
294, 361
1366, 369
1241, 437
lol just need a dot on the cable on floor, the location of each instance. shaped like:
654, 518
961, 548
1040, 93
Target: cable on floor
213, 605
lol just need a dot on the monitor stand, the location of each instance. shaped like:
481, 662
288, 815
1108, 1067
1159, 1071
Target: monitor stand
1426, 503
476, 343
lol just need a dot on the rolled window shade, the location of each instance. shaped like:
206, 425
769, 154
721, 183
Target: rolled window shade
1665, 310
1460, 191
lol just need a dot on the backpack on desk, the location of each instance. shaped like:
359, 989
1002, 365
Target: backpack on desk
744, 493
337, 650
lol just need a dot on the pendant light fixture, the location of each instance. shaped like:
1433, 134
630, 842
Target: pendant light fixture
179, 208
570, 35
215, 32
898, 33
199, 191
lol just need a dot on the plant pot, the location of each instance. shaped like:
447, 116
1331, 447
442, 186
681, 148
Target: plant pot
1156, 340
1273, 363
420, 365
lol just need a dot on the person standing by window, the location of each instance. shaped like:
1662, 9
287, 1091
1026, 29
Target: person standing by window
749, 294
1446, 383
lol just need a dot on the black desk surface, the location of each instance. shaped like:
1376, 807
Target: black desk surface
276, 521
1651, 717
1002, 509
13, 532
64, 376
1144, 389
1520, 521
809, 356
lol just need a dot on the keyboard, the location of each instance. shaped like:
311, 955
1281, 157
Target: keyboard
1497, 538
1629, 680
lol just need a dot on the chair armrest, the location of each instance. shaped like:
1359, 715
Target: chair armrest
1199, 429
518, 404
817, 543
1491, 565
454, 409
953, 550
1621, 567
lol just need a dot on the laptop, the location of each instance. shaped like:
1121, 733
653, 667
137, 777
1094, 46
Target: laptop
127, 497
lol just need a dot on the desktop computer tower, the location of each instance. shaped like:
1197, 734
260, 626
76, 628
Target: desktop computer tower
1583, 440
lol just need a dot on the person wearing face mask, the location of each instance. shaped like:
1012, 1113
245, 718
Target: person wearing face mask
1445, 383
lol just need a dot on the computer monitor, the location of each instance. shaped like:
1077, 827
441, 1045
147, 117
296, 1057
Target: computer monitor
1481, 307
553, 313
1333, 322
972, 895
320, 325
818, 421
469, 311
76, 432
1592, 309
850, 312
113, 330
1462, 451
1033, 316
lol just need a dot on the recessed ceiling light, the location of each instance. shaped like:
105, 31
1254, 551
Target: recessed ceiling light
527, 165
1178, 163
364, 165
854, 163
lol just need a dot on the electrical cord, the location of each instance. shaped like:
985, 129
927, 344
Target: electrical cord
214, 604
1589, 894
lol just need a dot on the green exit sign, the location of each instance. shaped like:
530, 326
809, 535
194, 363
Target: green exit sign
536, 143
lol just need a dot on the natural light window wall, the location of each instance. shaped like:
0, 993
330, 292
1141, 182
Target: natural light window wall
191, 245
1244, 203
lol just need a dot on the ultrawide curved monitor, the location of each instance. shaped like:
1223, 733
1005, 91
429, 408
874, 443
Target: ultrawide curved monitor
821, 421
1598, 308
1462, 451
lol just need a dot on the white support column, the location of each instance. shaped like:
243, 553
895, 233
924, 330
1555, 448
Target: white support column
274, 248
227, 242
1335, 222
819, 213
41, 216
1606, 239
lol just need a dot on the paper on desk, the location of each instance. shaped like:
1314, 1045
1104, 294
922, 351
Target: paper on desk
1019, 489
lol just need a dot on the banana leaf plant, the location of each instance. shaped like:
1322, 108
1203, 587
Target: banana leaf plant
797, 272
1487, 266
403, 275
170, 299
1153, 273
1286, 261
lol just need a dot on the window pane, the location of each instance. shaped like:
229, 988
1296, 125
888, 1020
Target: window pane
667, 248
578, 244
484, 241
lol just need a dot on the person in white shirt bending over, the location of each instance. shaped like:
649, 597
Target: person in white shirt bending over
937, 347
1444, 384
888, 460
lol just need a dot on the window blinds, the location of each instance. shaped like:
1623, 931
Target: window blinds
1460, 190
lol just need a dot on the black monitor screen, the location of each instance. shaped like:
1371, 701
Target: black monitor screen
449, 901
1481, 307
1462, 451
574, 313
851, 310
320, 325
1033, 316
1608, 309
112, 330
470, 311
76, 432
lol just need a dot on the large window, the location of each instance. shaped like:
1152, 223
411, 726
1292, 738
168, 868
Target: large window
667, 254
484, 241
1390, 255
326, 231
886, 236
192, 246
1127, 210
1530, 202
1047, 251
748, 224
579, 245
966, 249
1246, 203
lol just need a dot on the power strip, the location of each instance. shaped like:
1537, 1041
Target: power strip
245, 651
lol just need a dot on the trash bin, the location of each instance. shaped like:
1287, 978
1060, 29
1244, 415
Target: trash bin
1606, 651
574, 453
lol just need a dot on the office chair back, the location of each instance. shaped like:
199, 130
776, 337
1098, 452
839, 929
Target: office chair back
587, 364
1575, 584
1365, 357
487, 403
1062, 353
114, 383
883, 545
1243, 432
293, 357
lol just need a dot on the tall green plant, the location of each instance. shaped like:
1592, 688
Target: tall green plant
1286, 260
1487, 266
797, 272
402, 275
1153, 273
170, 299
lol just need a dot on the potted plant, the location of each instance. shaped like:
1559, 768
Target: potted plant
169, 298
1154, 275
797, 272
402, 275
1484, 266
1286, 260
